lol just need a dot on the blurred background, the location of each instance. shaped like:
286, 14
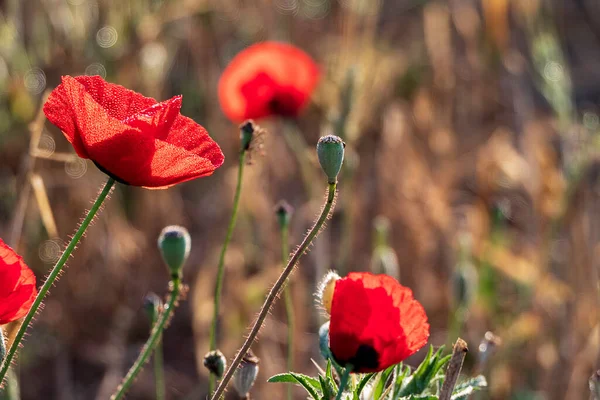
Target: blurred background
472, 128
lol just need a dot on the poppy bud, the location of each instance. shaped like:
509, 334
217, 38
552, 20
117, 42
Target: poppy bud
284, 212
324, 341
245, 375
247, 130
152, 304
325, 290
215, 362
330, 150
174, 243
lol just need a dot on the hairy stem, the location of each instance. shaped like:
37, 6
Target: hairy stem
53, 275
159, 371
153, 340
221, 265
274, 292
289, 308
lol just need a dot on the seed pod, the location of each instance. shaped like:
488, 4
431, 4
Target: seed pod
174, 243
330, 151
215, 362
245, 376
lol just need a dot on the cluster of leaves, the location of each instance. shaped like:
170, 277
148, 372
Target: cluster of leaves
398, 382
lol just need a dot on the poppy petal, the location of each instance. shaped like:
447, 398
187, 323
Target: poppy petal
265, 79
131, 137
117, 100
17, 287
375, 322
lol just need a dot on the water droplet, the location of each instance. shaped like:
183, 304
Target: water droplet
49, 251
96, 69
107, 36
77, 168
47, 145
35, 80
554, 71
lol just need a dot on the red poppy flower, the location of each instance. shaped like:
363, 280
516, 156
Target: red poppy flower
375, 322
268, 78
132, 138
17, 285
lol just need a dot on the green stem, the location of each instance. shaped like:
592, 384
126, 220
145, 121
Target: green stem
344, 381
274, 292
52, 277
221, 266
159, 372
289, 308
2, 345
153, 340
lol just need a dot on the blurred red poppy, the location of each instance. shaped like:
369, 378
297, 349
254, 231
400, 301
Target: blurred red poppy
375, 322
268, 78
17, 285
132, 138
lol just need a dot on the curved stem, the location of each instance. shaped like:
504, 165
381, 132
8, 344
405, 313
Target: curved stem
289, 307
344, 382
152, 342
159, 371
274, 292
221, 265
53, 275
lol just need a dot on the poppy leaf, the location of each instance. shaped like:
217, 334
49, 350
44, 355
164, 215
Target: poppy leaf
327, 392
363, 382
312, 385
381, 383
463, 390
425, 373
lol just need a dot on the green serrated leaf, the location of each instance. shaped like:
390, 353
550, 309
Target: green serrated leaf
327, 394
312, 385
381, 383
363, 382
463, 390
425, 374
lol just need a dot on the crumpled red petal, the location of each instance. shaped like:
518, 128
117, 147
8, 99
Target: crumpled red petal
131, 137
17, 285
375, 322
268, 78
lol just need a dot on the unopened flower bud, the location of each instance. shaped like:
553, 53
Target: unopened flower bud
174, 243
324, 341
330, 150
325, 290
152, 303
246, 374
284, 212
247, 130
215, 362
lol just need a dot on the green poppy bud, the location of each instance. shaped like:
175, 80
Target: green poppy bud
247, 130
330, 150
284, 212
246, 374
174, 243
215, 362
152, 304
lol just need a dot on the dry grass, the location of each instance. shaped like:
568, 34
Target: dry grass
463, 119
